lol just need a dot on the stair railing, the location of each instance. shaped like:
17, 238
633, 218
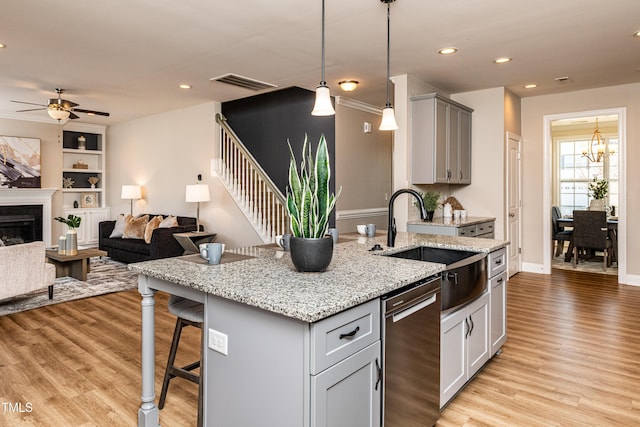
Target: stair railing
256, 194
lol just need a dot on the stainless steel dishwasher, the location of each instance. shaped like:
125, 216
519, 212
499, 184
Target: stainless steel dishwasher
411, 355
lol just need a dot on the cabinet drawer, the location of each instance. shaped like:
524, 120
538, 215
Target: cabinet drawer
484, 228
341, 335
497, 261
467, 231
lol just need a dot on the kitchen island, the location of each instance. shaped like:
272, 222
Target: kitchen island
276, 321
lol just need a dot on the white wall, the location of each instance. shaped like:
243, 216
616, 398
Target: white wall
165, 152
363, 166
485, 195
533, 111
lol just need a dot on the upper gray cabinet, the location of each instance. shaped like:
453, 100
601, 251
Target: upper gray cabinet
440, 140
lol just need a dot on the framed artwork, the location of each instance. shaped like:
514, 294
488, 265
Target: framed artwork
19, 162
89, 200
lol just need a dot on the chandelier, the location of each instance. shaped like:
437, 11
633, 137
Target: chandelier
598, 148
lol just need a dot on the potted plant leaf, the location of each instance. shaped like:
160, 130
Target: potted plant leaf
72, 222
309, 204
430, 199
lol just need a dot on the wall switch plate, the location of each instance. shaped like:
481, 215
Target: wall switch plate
366, 127
218, 342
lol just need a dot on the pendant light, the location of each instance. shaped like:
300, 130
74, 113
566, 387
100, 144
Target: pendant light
323, 106
388, 116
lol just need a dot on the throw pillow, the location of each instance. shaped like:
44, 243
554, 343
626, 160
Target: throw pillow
134, 227
151, 225
168, 222
119, 227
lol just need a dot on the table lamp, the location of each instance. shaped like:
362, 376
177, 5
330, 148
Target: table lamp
197, 193
131, 192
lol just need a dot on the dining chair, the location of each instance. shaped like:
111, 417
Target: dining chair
590, 232
560, 235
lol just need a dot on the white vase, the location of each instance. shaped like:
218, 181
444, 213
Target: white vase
596, 205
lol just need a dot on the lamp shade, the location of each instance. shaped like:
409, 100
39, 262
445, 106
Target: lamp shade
323, 106
388, 119
58, 114
197, 193
131, 192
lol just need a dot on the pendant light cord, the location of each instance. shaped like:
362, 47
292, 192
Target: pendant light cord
388, 52
323, 82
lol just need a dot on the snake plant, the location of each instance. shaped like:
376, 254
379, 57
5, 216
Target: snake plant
308, 200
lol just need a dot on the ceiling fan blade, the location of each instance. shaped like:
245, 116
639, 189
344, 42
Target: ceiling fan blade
97, 113
68, 104
29, 103
31, 109
73, 116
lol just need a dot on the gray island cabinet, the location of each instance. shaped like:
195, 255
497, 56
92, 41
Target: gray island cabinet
282, 348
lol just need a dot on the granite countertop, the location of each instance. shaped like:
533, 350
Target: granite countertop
265, 277
441, 221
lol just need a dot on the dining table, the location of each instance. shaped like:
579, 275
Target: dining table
612, 230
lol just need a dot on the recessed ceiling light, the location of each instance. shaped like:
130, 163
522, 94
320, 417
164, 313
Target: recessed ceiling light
531, 86
348, 85
2, 45
447, 50
502, 60
637, 33
185, 86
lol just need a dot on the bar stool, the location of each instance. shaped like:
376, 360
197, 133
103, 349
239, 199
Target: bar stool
188, 313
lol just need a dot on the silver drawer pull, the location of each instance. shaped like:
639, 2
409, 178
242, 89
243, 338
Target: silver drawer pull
350, 334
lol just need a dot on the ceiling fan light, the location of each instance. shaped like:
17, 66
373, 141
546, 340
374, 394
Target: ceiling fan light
388, 119
58, 114
323, 106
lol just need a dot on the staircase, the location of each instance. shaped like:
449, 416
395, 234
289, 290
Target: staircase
262, 203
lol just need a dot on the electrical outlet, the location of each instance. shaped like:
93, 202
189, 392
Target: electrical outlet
218, 342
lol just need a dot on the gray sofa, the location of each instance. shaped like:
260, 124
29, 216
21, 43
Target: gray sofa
162, 245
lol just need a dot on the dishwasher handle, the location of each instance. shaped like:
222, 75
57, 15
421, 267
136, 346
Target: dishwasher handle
409, 311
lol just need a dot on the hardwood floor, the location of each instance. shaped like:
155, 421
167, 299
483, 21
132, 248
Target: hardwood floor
572, 358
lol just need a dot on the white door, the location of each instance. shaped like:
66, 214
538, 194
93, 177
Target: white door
514, 202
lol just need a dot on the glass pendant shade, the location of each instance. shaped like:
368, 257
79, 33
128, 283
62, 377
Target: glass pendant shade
323, 106
388, 119
58, 114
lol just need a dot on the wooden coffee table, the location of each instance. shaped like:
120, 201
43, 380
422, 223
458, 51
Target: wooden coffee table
76, 266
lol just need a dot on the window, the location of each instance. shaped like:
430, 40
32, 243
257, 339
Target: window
576, 171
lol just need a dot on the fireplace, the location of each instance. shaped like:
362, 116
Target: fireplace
20, 224
25, 215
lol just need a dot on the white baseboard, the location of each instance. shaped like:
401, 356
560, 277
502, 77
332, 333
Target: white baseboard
633, 280
529, 267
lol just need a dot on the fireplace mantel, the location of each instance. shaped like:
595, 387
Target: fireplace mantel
31, 196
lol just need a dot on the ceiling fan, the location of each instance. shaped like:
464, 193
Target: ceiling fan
61, 109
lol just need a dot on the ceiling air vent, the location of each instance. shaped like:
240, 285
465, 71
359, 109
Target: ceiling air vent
563, 80
244, 82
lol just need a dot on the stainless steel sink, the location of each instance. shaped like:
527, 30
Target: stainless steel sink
449, 257
464, 278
